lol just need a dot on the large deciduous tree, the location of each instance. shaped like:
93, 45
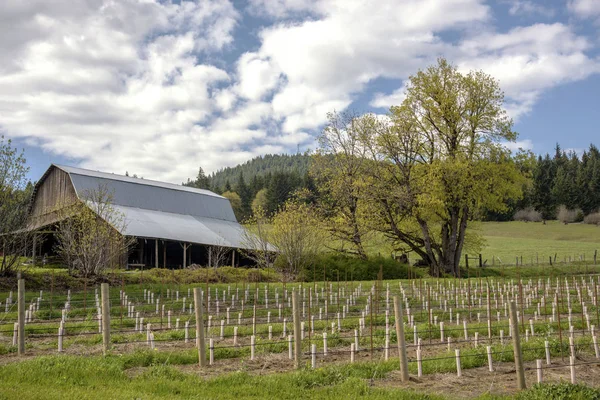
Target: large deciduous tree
437, 160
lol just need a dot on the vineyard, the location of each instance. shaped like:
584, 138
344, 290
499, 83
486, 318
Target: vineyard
514, 331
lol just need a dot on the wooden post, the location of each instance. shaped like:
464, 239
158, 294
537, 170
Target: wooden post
156, 253
164, 254
517, 346
185, 246
33, 254
21, 316
104, 291
401, 343
297, 334
199, 308
233, 258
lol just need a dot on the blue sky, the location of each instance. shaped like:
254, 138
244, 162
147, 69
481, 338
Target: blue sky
158, 88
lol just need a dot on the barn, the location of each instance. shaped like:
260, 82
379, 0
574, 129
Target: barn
174, 226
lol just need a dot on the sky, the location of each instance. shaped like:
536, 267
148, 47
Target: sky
159, 88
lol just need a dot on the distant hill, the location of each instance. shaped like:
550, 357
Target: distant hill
260, 167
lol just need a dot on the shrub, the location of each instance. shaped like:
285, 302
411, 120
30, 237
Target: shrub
567, 216
528, 215
592, 219
356, 269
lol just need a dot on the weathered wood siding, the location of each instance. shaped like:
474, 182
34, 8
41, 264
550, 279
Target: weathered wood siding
54, 194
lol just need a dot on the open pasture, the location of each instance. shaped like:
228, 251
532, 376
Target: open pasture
455, 331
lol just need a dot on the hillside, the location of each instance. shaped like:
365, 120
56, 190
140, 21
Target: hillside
259, 167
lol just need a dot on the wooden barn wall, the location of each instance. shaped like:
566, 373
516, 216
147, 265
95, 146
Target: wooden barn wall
55, 193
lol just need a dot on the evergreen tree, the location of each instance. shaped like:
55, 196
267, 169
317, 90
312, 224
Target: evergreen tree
542, 196
281, 186
245, 195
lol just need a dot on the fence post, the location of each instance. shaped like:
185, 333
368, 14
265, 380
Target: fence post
198, 307
104, 292
297, 333
514, 322
21, 309
400, 337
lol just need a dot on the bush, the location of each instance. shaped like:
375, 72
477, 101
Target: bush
592, 219
356, 269
567, 216
528, 215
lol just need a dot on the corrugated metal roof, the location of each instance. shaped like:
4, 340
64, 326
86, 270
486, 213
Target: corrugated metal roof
183, 228
152, 195
161, 210
129, 179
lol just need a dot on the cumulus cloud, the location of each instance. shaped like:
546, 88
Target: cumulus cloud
147, 85
585, 8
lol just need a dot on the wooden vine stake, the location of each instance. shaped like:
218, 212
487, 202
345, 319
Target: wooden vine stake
104, 292
21, 316
517, 346
297, 330
401, 343
198, 307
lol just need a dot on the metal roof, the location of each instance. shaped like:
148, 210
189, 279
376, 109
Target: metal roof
180, 227
159, 210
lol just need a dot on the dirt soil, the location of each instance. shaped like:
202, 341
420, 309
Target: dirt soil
503, 381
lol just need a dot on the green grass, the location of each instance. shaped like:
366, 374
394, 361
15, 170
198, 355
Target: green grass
531, 240
534, 240
67, 377
149, 375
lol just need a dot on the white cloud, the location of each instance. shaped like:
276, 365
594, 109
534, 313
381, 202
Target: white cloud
585, 8
526, 144
381, 100
527, 7
257, 76
142, 85
327, 61
529, 60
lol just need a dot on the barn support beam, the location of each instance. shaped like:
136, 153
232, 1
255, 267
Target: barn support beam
233, 258
164, 254
156, 253
185, 256
33, 254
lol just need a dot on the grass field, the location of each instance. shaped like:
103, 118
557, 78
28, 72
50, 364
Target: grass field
533, 241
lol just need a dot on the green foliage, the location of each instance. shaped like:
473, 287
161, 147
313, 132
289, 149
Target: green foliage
15, 192
440, 163
245, 197
338, 169
352, 268
236, 204
297, 236
562, 391
201, 182
261, 167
